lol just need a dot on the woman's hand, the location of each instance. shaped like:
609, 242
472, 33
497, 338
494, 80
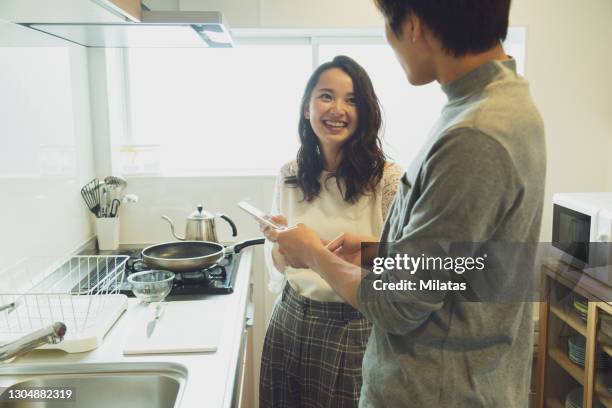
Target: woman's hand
268, 231
295, 244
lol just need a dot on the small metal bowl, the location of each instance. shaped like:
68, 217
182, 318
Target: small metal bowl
151, 286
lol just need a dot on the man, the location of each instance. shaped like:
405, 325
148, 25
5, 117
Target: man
479, 180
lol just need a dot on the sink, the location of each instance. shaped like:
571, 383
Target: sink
120, 385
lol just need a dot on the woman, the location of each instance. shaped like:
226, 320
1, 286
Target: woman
340, 182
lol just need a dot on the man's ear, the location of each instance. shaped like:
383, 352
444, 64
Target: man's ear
413, 27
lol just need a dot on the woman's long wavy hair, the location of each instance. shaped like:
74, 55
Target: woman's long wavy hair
362, 159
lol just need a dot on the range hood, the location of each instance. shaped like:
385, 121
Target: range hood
156, 29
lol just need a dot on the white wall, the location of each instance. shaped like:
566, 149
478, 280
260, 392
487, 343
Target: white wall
568, 66
609, 177
46, 150
162, 4
292, 13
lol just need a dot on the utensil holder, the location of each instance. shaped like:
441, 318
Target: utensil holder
108, 233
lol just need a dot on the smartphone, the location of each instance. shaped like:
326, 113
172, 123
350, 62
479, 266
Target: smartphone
260, 215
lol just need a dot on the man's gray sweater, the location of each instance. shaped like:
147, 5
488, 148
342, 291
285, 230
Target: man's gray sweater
479, 179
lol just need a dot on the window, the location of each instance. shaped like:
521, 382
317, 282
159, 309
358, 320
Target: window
235, 111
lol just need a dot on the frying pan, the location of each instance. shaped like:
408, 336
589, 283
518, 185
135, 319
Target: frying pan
185, 256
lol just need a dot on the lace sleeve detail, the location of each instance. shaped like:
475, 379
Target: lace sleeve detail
391, 176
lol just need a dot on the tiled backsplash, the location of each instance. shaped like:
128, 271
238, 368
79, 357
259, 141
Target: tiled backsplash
45, 147
177, 197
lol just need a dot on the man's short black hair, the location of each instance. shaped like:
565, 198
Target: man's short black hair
463, 26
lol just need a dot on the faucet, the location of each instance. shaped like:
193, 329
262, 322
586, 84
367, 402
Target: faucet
49, 335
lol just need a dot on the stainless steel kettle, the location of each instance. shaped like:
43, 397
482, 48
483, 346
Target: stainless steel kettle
200, 226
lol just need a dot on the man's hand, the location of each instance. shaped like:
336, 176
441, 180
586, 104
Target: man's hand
302, 248
297, 244
348, 247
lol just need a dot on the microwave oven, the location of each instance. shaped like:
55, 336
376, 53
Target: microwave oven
582, 231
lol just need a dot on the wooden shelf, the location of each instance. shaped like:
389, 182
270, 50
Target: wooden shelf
558, 283
570, 318
560, 357
605, 401
600, 388
605, 342
602, 392
606, 306
554, 403
577, 374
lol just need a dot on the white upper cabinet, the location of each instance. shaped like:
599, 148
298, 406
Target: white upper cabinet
46, 11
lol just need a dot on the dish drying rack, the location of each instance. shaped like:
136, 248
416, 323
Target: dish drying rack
83, 293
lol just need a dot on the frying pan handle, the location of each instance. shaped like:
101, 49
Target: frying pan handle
249, 242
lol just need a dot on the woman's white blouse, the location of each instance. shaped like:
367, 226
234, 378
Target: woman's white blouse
329, 215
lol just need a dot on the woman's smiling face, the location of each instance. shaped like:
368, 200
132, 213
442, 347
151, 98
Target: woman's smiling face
332, 110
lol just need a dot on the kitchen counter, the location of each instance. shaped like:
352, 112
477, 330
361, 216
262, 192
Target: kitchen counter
211, 377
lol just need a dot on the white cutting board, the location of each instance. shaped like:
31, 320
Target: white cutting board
184, 327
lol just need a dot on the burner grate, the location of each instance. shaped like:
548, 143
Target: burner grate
215, 279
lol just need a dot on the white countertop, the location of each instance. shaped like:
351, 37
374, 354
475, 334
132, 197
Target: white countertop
210, 376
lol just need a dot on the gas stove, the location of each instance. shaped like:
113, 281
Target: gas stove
216, 279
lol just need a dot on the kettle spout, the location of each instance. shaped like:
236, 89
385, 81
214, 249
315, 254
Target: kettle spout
172, 228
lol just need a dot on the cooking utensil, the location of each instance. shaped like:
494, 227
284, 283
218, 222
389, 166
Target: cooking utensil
200, 226
114, 208
185, 256
91, 194
117, 184
151, 286
157, 314
104, 200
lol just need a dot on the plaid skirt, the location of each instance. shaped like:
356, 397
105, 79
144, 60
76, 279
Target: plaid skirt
312, 354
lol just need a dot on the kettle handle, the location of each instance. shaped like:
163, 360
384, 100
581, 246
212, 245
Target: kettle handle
230, 222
